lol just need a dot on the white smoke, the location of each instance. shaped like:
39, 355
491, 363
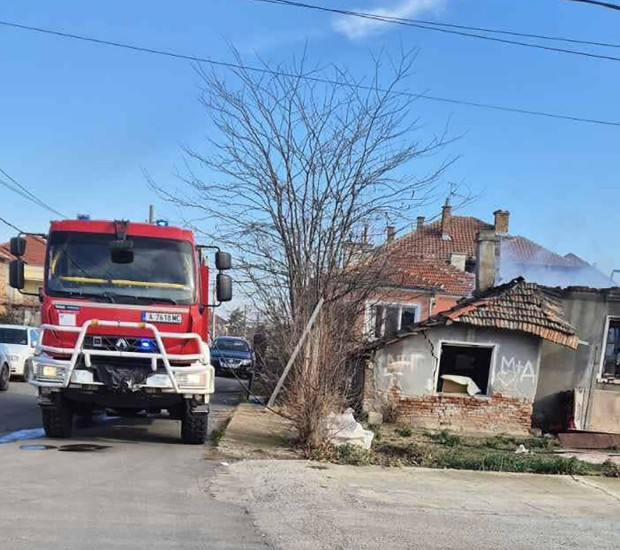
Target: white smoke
539, 270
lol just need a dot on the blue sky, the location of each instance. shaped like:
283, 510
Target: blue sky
80, 123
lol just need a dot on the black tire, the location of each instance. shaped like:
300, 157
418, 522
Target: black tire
27, 371
194, 428
5, 376
57, 420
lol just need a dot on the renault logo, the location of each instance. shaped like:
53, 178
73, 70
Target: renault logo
121, 344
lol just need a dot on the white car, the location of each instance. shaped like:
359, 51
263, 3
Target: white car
18, 343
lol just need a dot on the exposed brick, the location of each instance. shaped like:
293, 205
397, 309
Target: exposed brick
497, 414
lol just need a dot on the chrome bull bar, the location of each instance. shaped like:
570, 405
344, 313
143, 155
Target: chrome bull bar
78, 349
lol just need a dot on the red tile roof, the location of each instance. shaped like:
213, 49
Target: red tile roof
517, 305
428, 242
35, 251
429, 273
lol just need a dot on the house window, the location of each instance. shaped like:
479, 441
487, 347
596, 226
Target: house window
469, 361
386, 318
611, 350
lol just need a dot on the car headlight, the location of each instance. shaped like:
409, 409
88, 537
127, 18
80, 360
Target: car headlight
193, 379
246, 362
13, 358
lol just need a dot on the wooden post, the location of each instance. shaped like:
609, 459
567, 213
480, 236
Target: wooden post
304, 335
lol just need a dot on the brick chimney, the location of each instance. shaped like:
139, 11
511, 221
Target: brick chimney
487, 261
502, 219
446, 222
391, 233
420, 223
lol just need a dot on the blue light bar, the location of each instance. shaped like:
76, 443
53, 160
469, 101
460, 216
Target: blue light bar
146, 345
161, 223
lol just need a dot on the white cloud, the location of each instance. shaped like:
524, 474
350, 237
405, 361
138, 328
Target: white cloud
356, 27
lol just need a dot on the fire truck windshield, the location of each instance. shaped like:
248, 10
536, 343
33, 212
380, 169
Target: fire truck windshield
80, 265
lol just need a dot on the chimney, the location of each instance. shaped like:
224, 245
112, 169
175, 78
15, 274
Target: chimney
391, 232
420, 223
458, 259
446, 221
487, 261
502, 219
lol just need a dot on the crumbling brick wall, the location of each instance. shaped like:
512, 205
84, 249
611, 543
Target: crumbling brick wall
496, 413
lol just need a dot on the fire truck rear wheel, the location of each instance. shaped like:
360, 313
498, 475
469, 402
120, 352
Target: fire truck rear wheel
194, 428
57, 420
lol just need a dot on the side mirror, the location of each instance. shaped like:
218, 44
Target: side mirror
223, 288
18, 246
16, 274
121, 252
223, 261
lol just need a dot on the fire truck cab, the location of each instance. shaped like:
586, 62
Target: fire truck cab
124, 323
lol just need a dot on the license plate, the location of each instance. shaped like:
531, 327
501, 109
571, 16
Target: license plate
157, 317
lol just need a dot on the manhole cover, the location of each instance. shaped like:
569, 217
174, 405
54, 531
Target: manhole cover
36, 447
83, 448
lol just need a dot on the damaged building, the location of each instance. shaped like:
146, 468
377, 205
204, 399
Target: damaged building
581, 390
472, 368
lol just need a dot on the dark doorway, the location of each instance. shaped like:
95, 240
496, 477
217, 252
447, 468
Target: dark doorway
472, 361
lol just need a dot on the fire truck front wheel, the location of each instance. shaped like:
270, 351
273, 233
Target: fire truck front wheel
57, 419
194, 427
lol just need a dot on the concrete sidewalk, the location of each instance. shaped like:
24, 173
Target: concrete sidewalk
304, 505
256, 432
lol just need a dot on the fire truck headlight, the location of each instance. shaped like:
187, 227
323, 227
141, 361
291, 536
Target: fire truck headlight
49, 371
193, 379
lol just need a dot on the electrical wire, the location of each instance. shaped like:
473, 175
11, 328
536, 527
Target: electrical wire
27, 194
599, 3
413, 23
230, 65
12, 226
496, 31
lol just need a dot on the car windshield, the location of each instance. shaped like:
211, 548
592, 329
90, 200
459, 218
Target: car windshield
162, 270
13, 336
231, 345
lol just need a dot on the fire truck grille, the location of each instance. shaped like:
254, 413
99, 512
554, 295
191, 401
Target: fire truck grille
120, 343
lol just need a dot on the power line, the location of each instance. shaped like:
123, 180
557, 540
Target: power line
599, 3
11, 225
417, 25
509, 33
26, 194
319, 80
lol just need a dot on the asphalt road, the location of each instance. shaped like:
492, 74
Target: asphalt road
142, 490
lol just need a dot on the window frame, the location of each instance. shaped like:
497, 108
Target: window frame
601, 365
370, 320
492, 347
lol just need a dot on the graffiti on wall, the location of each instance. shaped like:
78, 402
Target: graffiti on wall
513, 375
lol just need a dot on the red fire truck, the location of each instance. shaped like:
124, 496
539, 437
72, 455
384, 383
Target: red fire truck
124, 321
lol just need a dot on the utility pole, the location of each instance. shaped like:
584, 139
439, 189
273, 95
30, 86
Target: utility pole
151, 213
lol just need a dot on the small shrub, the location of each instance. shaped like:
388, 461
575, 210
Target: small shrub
408, 455
351, 455
217, 434
610, 469
403, 432
446, 438
614, 448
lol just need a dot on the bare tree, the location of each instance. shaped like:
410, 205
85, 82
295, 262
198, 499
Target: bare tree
303, 168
